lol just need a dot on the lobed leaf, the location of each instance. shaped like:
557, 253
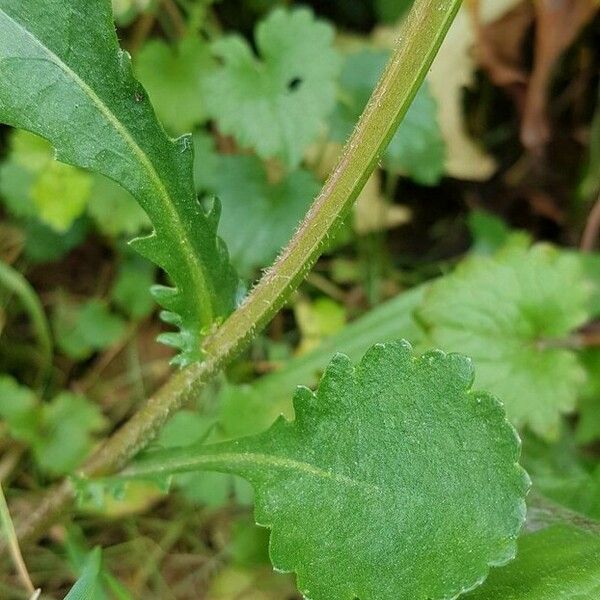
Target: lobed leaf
511, 313
395, 480
276, 103
64, 77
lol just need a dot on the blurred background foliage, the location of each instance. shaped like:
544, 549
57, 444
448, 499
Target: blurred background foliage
500, 149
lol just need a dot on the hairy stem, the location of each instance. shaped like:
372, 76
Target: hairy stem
425, 28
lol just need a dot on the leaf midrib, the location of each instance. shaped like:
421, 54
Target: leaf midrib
230, 460
194, 267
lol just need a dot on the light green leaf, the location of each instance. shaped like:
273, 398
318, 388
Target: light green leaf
559, 563
131, 292
395, 480
417, 149
510, 313
18, 409
65, 78
65, 436
82, 329
35, 185
175, 78
270, 213
89, 585
114, 210
60, 195
277, 103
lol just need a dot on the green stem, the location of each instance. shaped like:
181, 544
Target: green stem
424, 30
13, 281
11, 537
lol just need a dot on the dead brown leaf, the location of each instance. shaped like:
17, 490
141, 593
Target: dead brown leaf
558, 23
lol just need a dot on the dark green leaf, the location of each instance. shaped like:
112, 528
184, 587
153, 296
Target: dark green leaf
559, 563
61, 65
394, 481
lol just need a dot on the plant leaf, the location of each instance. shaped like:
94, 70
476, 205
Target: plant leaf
89, 585
80, 329
558, 563
394, 481
509, 313
276, 104
64, 77
175, 78
65, 435
114, 210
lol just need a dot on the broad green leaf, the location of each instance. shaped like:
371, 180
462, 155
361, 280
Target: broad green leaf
510, 313
65, 78
82, 329
270, 213
65, 436
395, 480
89, 585
561, 472
417, 149
175, 78
558, 563
276, 103
489, 232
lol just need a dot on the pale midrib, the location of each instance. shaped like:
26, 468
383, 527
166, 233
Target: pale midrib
231, 459
194, 266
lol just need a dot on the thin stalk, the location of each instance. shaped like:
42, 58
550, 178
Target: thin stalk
13, 544
425, 28
15, 283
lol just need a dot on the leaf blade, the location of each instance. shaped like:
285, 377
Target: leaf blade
381, 487
73, 72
